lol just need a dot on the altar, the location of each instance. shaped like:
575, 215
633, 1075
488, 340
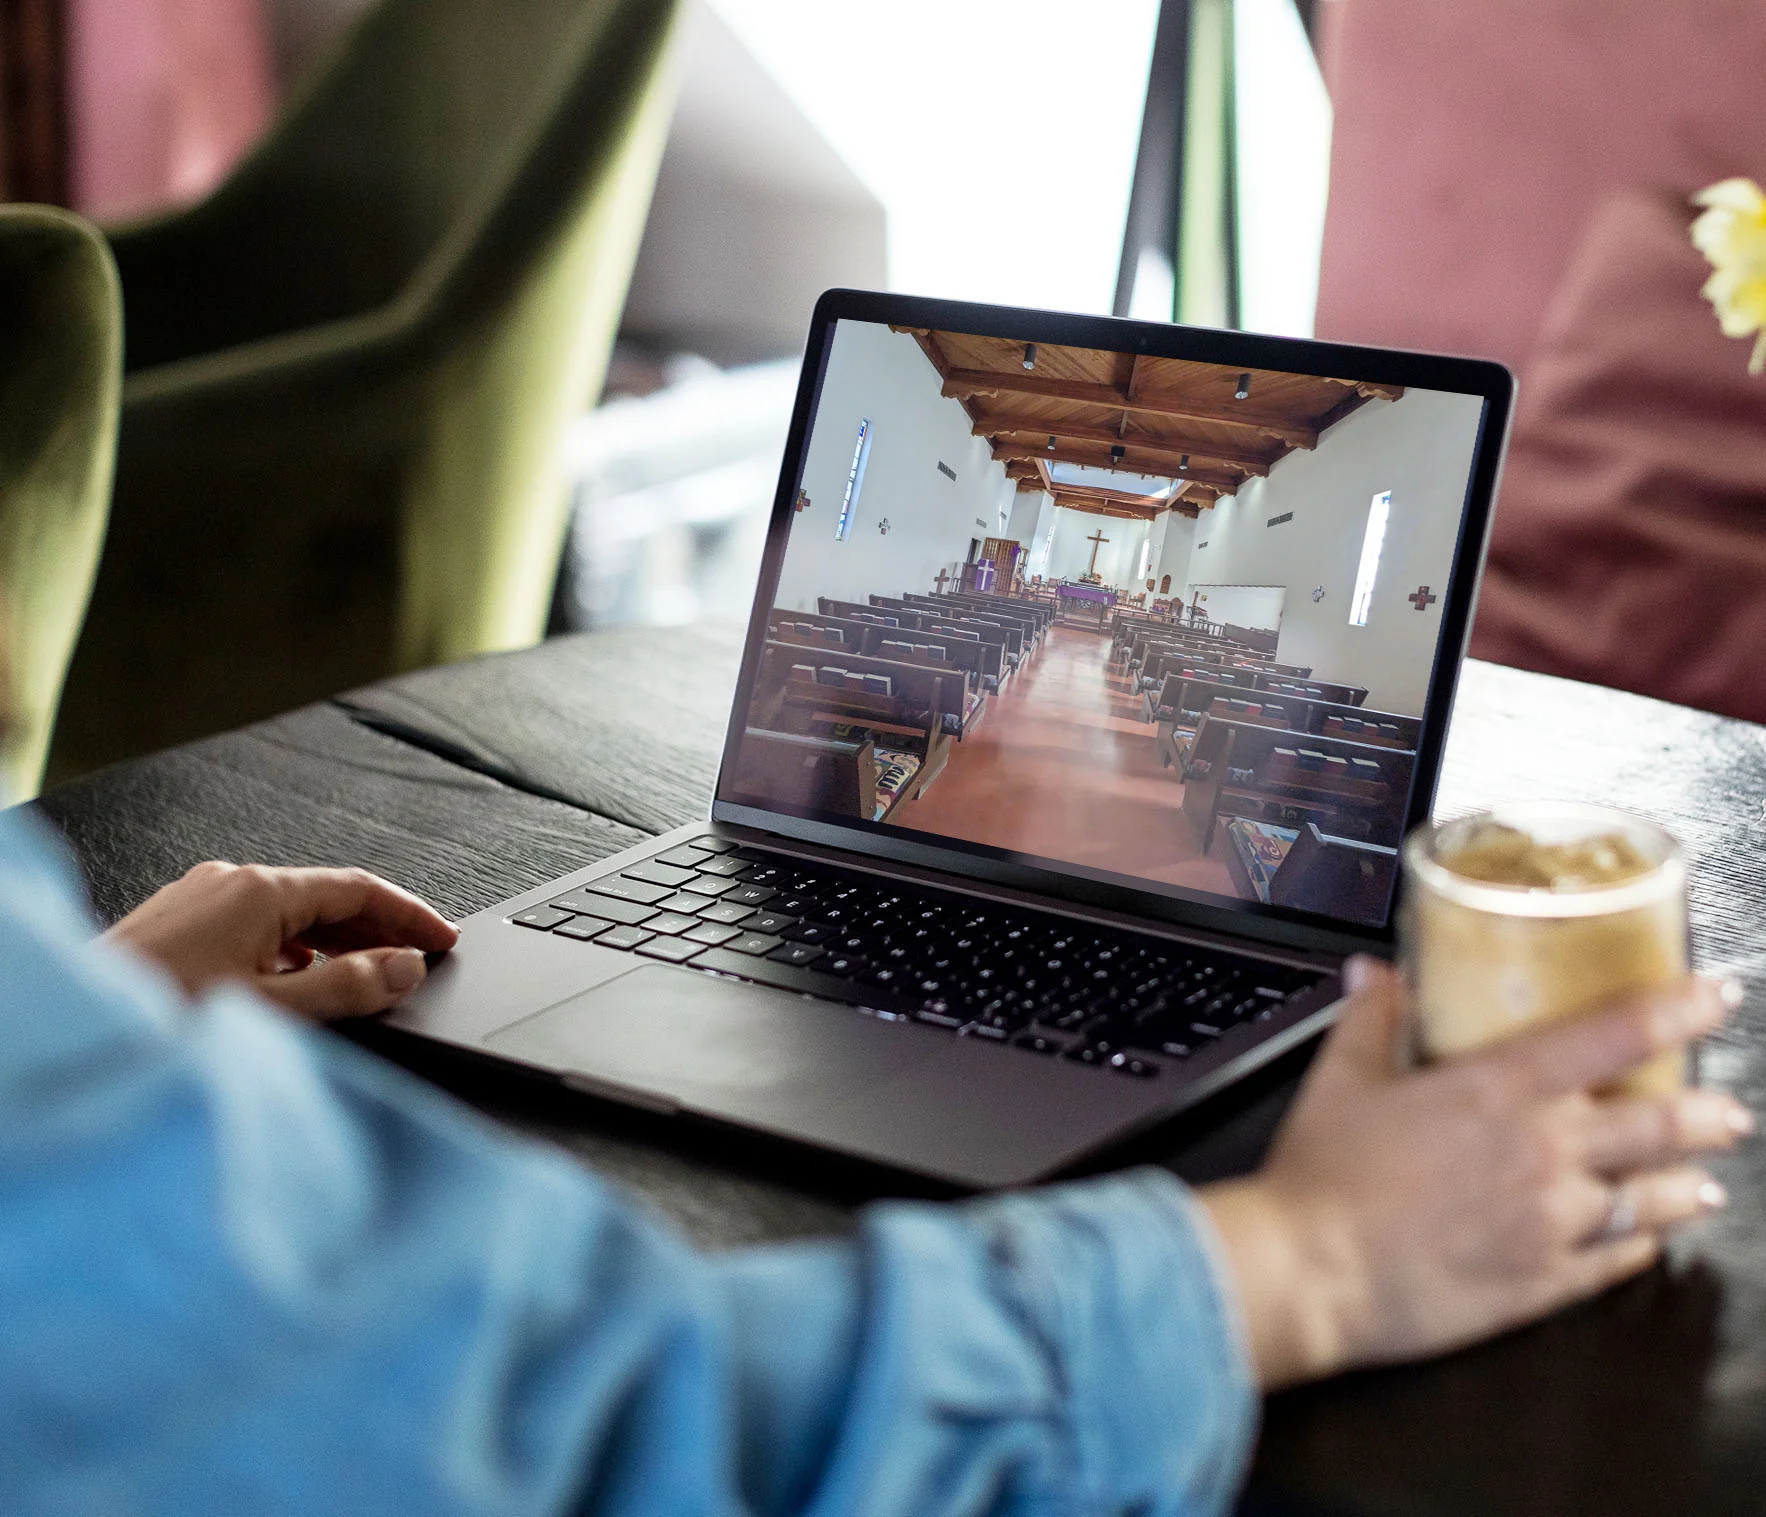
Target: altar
1092, 602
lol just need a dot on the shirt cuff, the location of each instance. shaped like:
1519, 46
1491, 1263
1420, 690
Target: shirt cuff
1126, 1279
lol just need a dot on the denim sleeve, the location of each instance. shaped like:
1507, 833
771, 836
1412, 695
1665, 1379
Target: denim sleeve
248, 1268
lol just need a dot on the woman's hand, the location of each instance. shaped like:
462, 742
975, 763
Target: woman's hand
264, 927
1403, 1213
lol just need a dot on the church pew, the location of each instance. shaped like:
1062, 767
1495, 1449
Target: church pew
797, 770
1042, 612
813, 629
939, 651
997, 607
854, 611
1356, 790
911, 707
1315, 689
922, 624
1181, 702
1145, 644
1335, 875
1013, 635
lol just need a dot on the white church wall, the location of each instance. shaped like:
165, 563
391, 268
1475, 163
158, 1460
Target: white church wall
1419, 448
1119, 555
1026, 514
1173, 557
875, 373
1258, 606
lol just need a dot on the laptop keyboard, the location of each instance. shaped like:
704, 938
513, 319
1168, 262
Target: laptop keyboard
1027, 979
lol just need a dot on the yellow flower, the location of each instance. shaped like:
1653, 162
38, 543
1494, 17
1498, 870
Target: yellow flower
1732, 235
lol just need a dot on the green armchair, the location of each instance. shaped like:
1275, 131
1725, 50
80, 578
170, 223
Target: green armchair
60, 373
350, 370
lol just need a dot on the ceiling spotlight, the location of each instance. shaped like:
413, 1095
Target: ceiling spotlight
1116, 452
1184, 464
1244, 390
1030, 355
1051, 442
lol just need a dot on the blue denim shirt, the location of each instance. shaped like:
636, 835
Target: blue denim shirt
246, 1268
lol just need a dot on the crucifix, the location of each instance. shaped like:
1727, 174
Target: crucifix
941, 579
1423, 599
1097, 540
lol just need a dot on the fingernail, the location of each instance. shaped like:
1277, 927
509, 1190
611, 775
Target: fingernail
1712, 1196
1732, 993
1740, 1121
403, 970
1358, 974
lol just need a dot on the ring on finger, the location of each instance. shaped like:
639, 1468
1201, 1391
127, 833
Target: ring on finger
1622, 1210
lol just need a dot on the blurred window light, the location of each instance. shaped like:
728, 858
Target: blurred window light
1000, 135
1282, 152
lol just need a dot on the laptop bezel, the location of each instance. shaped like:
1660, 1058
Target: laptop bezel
1252, 921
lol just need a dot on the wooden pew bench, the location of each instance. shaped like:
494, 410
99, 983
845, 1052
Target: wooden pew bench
844, 696
1307, 869
1354, 790
856, 779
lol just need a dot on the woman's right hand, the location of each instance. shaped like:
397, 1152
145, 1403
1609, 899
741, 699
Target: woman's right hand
1404, 1213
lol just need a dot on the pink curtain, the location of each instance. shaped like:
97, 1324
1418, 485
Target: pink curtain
163, 98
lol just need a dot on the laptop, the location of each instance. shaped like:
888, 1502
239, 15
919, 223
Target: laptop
1095, 672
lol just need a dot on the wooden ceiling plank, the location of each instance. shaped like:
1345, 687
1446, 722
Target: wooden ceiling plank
1201, 453
965, 383
1099, 458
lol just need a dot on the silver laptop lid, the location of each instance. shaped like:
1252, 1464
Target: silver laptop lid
1152, 617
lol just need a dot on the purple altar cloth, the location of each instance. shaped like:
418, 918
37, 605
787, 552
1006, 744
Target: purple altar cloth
1086, 592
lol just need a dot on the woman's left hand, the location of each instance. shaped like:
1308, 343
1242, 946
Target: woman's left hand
265, 928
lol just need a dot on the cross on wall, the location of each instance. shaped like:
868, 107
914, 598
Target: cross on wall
941, 579
1423, 598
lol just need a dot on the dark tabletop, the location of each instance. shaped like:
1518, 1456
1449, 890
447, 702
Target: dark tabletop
472, 782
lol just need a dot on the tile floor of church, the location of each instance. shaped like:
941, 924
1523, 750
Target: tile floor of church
1063, 767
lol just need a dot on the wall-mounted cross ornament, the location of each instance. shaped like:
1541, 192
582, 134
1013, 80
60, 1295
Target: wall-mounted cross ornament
883, 526
1423, 599
1318, 595
802, 501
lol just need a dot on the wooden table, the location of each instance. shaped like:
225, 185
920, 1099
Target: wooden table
475, 781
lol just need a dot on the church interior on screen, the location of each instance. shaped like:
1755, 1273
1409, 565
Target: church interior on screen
1147, 617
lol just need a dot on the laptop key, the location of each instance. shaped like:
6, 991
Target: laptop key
687, 857
795, 953
752, 895
1128, 1064
709, 885
726, 865
712, 845
683, 902
755, 943
620, 888
545, 918
583, 928
670, 923
810, 932
770, 921
628, 913
623, 937
727, 912
658, 873
842, 964
712, 933
671, 950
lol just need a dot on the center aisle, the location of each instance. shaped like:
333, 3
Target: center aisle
1063, 767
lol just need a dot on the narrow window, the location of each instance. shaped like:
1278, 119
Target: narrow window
1371, 544
855, 481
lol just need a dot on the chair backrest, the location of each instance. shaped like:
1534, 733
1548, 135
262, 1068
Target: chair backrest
60, 378
439, 132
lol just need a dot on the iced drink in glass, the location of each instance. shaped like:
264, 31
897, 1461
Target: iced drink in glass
1532, 912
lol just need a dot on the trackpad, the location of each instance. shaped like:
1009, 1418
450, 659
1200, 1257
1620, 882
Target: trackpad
716, 1044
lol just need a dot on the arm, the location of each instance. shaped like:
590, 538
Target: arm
249, 1268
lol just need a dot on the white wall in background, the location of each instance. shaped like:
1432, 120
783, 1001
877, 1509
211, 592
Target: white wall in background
1419, 448
1119, 556
875, 373
894, 87
1257, 606
1174, 553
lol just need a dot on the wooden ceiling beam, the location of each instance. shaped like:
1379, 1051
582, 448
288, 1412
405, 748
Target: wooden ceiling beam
963, 384
1367, 388
1093, 456
1173, 449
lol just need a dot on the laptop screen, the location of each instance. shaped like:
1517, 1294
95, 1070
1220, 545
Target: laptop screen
1150, 621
